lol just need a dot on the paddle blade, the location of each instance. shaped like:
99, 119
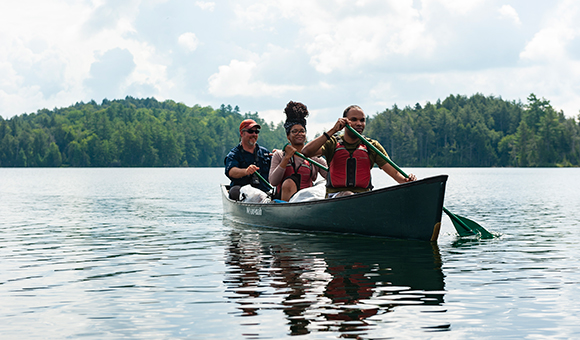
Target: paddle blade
462, 228
475, 227
467, 227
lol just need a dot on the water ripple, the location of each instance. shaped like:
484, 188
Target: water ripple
145, 254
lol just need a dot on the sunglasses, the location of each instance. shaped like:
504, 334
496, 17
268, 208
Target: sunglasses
256, 131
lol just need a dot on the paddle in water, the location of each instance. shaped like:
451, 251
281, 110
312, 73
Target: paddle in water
464, 226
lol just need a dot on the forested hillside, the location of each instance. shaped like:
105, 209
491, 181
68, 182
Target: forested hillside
459, 131
478, 131
130, 132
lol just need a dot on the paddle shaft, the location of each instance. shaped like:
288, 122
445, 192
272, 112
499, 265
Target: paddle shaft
377, 151
307, 158
264, 180
311, 161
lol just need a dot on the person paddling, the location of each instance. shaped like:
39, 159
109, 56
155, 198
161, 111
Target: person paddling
247, 158
288, 172
350, 161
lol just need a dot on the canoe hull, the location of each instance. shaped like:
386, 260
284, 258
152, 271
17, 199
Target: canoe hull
406, 211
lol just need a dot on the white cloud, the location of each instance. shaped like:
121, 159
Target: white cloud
509, 12
54, 47
259, 54
257, 15
189, 41
236, 79
551, 42
38, 58
547, 45
204, 5
343, 36
457, 7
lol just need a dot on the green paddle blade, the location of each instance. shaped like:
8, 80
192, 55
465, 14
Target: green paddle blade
476, 227
467, 227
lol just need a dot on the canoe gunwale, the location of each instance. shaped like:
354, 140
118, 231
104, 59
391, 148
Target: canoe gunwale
225, 188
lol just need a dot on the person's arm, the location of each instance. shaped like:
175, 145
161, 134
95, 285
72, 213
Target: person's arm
277, 168
388, 168
322, 172
232, 163
236, 172
288, 153
313, 147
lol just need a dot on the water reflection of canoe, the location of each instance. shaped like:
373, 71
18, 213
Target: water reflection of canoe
406, 211
327, 282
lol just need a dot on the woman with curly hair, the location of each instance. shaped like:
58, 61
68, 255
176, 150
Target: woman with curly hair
288, 172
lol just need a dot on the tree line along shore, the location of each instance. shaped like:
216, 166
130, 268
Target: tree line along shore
460, 131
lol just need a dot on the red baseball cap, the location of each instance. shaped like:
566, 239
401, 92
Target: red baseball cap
248, 124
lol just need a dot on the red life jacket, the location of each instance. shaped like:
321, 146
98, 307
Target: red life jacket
349, 169
304, 170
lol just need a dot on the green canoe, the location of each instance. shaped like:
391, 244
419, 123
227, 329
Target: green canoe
404, 211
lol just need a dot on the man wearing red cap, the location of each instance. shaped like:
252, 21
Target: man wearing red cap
246, 158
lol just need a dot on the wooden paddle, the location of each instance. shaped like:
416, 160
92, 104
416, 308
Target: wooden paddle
464, 226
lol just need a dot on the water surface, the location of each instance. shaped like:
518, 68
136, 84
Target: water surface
146, 254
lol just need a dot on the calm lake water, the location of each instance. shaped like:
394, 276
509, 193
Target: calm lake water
146, 254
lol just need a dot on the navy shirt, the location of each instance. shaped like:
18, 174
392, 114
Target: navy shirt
240, 158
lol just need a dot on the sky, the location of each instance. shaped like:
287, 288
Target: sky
260, 54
